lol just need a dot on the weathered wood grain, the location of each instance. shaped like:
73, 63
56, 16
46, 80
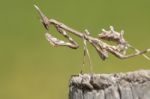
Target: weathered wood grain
131, 85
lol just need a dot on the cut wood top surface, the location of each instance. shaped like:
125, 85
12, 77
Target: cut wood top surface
102, 81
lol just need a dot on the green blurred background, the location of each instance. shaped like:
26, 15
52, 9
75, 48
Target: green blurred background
32, 69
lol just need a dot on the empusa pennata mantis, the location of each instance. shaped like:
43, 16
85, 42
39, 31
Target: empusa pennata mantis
101, 47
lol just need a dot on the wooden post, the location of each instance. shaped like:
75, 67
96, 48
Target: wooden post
131, 85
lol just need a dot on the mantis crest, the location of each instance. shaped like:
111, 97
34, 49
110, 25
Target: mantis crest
119, 50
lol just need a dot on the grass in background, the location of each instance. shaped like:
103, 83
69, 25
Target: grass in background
32, 69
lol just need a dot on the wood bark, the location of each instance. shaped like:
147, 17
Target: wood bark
131, 85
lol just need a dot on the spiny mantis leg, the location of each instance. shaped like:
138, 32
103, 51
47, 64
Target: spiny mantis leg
122, 56
86, 52
73, 44
138, 51
53, 40
56, 42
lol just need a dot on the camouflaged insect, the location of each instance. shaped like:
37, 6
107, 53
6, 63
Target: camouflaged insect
119, 50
